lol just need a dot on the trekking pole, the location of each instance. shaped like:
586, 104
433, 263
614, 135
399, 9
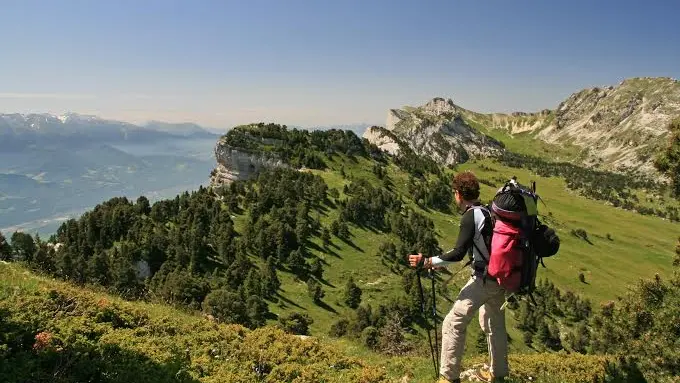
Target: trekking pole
434, 320
429, 336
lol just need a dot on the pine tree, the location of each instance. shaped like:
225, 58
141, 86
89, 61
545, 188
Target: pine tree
528, 338
335, 228
226, 306
343, 231
314, 290
296, 323
352, 294
143, 206
325, 237
580, 339
43, 259
668, 161
23, 246
392, 340
270, 281
123, 274
296, 262
98, 270
554, 341
65, 265
257, 311
316, 268
362, 318
5, 249
252, 285
301, 224
543, 334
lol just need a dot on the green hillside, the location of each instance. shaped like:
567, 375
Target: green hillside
265, 251
54, 331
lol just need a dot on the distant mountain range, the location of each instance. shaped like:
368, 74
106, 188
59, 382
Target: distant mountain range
52, 167
18, 131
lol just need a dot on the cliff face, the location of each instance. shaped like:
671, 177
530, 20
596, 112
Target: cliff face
235, 163
436, 129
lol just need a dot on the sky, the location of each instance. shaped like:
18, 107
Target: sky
320, 62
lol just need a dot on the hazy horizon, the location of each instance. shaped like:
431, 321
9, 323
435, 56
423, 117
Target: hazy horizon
303, 63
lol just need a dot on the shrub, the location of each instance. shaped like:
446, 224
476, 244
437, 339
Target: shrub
339, 328
296, 323
370, 337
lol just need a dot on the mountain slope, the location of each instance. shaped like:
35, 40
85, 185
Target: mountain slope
437, 130
264, 249
619, 127
54, 331
636, 241
616, 128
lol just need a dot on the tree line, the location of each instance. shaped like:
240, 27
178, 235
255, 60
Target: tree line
617, 189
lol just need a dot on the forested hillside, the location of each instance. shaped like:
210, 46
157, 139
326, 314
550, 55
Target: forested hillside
317, 247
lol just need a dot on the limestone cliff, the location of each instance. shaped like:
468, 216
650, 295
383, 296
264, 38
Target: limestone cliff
236, 163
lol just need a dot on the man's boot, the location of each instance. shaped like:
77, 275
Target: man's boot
485, 376
444, 380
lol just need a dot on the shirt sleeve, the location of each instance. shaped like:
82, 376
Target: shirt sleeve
464, 241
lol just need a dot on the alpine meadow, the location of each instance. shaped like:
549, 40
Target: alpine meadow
290, 265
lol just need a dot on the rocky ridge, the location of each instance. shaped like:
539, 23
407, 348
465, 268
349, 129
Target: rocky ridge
437, 129
618, 128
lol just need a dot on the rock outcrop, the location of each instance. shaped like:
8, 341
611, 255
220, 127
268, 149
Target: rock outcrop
235, 163
436, 129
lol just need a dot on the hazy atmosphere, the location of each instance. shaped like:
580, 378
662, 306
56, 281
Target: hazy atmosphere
219, 63
339, 191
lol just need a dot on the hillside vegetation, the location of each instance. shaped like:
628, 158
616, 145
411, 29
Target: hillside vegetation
320, 251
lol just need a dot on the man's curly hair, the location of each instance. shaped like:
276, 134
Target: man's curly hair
467, 185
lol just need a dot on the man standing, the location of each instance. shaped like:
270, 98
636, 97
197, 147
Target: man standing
480, 293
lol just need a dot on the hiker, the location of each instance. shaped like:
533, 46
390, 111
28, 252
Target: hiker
480, 292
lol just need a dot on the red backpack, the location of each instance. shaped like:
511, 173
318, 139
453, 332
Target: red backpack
505, 263
519, 241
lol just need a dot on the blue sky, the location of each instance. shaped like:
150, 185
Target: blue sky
320, 62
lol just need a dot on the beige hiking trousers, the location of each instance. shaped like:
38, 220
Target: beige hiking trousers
488, 297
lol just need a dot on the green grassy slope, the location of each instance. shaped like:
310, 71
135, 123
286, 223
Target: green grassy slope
54, 331
640, 245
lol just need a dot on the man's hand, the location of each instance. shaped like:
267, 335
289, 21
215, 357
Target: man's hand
414, 259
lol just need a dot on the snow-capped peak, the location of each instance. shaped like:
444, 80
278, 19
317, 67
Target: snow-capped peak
75, 117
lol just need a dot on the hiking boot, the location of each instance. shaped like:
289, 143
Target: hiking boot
485, 376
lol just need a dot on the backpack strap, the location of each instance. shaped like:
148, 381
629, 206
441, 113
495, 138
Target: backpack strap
482, 225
